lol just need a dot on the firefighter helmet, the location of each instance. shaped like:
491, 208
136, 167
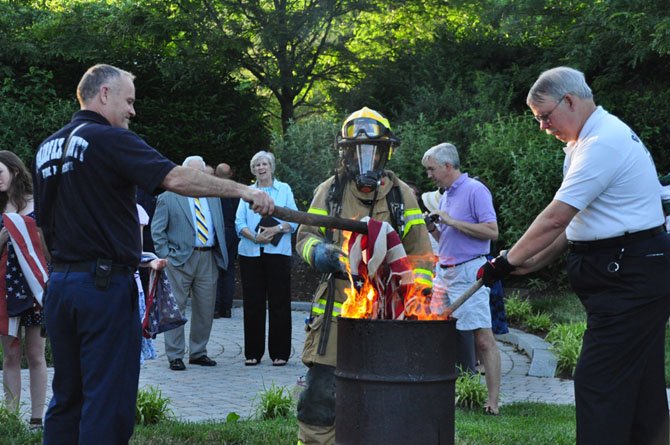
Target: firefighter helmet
366, 143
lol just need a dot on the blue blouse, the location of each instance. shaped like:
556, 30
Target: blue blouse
282, 195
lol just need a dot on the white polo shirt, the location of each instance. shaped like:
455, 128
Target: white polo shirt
609, 175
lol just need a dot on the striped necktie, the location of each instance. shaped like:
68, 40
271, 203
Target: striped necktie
201, 222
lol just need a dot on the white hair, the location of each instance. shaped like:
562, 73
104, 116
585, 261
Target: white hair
263, 154
444, 153
555, 83
190, 159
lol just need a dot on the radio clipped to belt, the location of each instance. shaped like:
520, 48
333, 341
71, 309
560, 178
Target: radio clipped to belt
103, 273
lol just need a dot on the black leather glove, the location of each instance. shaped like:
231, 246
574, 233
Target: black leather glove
328, 258
495, 270
430, 221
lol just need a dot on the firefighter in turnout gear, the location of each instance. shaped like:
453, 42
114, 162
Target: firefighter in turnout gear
361, 187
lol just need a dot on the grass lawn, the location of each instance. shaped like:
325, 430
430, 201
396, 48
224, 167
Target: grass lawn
519, 423
524, 423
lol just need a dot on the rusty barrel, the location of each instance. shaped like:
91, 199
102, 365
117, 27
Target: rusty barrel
395, 382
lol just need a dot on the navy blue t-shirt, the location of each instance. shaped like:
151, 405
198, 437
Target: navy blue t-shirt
95, 212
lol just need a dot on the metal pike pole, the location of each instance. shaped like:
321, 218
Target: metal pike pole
310, 219
463, 298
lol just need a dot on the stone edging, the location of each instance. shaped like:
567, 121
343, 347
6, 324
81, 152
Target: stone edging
543, 362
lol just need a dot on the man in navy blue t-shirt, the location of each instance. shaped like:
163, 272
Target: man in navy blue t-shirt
85, 205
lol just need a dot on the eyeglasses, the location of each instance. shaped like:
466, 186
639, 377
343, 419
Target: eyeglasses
544, 118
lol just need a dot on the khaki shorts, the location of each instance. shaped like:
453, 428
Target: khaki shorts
452, 282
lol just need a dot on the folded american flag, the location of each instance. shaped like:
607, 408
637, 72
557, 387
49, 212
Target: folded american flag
28, 249
380, 257
162, 311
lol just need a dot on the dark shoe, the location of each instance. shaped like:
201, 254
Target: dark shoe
203, 360
251, 362
216, 315
489, 411
177, 365
35, 424
227, 313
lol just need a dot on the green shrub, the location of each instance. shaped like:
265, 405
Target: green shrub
275, 402
562, 307
471, 393
306, 156
523, 169
416, 137
12, 426
538, 322
517, 309
30, 110
151, 406
566, 342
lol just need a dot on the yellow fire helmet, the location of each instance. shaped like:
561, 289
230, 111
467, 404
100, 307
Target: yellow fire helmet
366, 124
366, 143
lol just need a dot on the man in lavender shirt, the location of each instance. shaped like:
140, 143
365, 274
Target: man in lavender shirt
465, 228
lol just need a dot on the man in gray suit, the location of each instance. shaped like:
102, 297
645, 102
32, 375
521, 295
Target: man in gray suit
189, 232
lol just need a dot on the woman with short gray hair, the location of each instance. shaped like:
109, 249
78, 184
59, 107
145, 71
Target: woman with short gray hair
265, 267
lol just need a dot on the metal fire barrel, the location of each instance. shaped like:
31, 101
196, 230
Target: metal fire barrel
395, 382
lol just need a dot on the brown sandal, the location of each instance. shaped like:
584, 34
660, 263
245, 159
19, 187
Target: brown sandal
35, 424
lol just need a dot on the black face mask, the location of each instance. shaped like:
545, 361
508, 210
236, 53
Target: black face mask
365, 164
369, 181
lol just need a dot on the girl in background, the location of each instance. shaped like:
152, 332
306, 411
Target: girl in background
16, 196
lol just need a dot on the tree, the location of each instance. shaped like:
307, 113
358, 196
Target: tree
188, 102
288, 46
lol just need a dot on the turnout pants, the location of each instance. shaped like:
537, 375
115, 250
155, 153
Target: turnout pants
619, 380
95, 339
316, 407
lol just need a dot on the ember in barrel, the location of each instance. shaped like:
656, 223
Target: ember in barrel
395, 382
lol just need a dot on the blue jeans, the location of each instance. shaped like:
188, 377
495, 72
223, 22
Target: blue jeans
95, 338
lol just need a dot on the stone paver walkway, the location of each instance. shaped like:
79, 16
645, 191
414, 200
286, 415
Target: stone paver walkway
211, 393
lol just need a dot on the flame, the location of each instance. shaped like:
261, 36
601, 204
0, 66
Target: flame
361, 304
418, 304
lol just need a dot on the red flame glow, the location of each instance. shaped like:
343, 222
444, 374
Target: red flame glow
366, 303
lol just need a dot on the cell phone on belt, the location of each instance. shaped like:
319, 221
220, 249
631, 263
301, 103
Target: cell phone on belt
103, 273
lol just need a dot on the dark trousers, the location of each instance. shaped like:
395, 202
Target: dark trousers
465, 351
266, 278
95, 338
619, 380
225, 287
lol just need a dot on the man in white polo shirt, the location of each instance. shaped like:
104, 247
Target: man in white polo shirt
608, 214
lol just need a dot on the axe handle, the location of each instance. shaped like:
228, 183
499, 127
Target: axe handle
463, 298
311, 219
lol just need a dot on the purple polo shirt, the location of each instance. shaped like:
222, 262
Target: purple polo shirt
466, 200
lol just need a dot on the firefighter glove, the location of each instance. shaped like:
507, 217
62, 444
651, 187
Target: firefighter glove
328, 258
495, 270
